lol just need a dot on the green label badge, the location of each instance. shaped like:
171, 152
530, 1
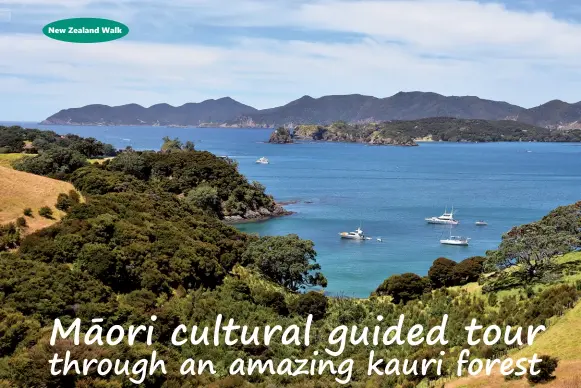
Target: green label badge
85, 30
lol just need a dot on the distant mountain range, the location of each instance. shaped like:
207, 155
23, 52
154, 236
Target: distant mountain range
354, 108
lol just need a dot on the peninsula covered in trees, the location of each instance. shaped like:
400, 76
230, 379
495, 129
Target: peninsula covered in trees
408, 133
148, 238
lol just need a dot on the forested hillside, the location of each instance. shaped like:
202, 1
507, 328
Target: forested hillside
430, 129
149, 240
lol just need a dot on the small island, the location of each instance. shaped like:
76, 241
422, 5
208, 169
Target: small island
281, 136
409, 133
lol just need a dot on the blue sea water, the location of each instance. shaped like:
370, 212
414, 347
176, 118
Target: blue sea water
387, 190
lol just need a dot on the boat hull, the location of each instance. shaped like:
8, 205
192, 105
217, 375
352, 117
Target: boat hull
436, 221
454, 242
351, 237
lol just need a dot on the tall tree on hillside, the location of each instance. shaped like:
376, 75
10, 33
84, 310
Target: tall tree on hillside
287, 260
531, 249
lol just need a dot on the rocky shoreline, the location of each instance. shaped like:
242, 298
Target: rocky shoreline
261, 214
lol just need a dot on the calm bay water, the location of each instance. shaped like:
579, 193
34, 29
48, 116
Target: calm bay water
388, 190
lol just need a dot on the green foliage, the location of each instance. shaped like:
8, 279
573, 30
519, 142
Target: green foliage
403, 288
63, 202
171, 145
194, 173
45, 212
448, 273
438, 128
21, 222
75, 197
206, 198
13, 140
273, 299
55, 162
312, 303
531, 250
442, 272
130, 163
28, 212
189, 146
286, 260
546, 367
93, 180
131, 241
9, 236
16, 330
136, 248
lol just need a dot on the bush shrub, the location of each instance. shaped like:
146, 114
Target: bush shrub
403, 288
74, 196
28, 212
546, 368
21, 222
313, 303
63, 202
45, 212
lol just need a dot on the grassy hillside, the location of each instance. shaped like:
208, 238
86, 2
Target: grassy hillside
22, 190
558, 341
6, 160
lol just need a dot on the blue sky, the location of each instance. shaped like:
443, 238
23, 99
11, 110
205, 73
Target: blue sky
266, 53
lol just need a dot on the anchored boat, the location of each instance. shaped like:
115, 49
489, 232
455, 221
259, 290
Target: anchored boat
262, 160
357, 235
444, 219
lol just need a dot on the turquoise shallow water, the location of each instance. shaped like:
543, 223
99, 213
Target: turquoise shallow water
390, 190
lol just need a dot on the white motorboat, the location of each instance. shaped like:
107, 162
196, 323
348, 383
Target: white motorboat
480, 223
444, 219
357, 235
262, 160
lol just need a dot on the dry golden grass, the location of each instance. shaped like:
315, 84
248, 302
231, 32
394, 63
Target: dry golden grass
559, 341
20, 190
568, 375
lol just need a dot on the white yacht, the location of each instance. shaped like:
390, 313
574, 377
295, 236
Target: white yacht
481, 223
262, 160
357, 235
456, 240
444, 219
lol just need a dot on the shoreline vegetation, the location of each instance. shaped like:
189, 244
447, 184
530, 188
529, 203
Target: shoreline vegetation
149, 238
410, 133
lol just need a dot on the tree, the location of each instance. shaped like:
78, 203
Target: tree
312, 303
546, 367
170, 145
189, 146
468, 270
531, 250
45, 212
56, 161
286, 260
206, 198
403, 288
441, 273
63, 202
132, 163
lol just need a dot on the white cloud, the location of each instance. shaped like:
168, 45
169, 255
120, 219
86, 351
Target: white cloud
522, 57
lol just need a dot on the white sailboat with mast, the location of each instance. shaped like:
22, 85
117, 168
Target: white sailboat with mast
455, 240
